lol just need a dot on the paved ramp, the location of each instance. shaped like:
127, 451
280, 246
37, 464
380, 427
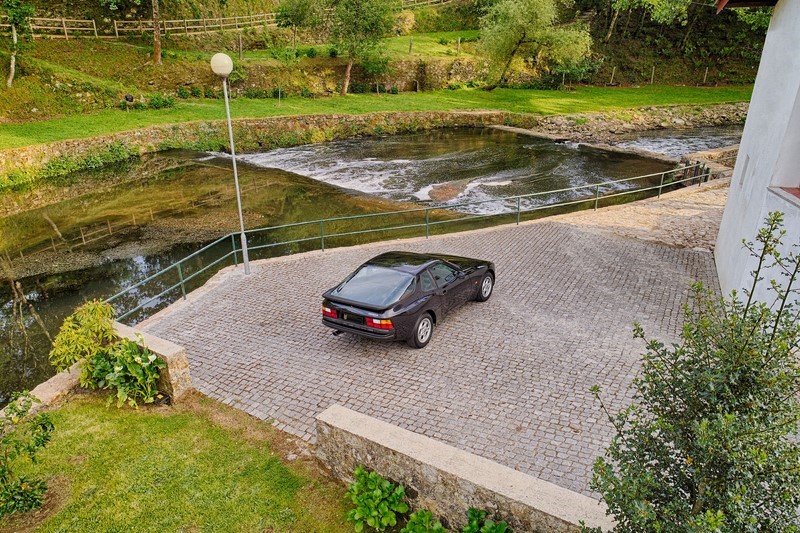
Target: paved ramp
507, 379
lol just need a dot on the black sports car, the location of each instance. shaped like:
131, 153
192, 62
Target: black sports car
402, 295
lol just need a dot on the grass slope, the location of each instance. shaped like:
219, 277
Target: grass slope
582, 100
199, 466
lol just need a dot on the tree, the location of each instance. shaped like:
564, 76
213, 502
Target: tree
511, 27
18, 12
357, 28
710, 444
299, 14
114, 5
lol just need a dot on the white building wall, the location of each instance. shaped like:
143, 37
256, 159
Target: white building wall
769, 154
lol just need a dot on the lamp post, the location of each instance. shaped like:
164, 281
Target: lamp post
222, 65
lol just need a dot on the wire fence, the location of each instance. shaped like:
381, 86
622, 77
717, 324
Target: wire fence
174, 282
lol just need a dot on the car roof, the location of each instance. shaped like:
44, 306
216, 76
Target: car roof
410, 262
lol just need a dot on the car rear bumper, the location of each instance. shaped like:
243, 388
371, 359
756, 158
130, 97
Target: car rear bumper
349, 327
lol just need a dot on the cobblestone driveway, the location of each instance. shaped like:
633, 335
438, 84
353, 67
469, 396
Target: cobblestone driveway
507, 379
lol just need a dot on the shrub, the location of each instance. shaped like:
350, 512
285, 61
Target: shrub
106, 362
208, 92
158, 101
138, 105
444, 41
21, 436
422, 522
404, 22
377, 500
131, 371
197, 92
84, 333
311, 52
278, 92
184, 92
394, 90
257, 93
710, 444
306, 93
333, 52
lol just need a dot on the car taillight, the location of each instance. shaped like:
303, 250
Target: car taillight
331, 313
380, 324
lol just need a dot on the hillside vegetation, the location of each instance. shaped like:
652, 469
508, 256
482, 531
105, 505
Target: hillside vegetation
433, 48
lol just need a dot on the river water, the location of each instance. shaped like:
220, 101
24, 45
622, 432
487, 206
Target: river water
120, 224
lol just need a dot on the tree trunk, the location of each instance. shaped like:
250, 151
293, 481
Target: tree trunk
156, 34
692, 22
12, 66
611, 26
502, 79
346, 84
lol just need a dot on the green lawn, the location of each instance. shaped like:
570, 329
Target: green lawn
198, 466
583, 99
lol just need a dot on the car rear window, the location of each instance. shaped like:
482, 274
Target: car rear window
375, 286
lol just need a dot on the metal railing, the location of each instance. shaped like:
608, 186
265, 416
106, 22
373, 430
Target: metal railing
193, 270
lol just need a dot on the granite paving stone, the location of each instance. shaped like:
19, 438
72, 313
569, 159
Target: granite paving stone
507, 379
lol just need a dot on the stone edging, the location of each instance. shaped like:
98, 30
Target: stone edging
448, 481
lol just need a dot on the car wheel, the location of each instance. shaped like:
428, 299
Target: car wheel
486, 287
423, 331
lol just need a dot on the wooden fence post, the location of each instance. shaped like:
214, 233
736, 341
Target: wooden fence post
652, 74
205, 29
116, 29
64, 25
613, 71
94, 26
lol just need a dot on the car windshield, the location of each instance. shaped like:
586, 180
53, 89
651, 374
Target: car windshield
375, 286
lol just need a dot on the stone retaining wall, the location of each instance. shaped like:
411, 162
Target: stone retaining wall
448, 481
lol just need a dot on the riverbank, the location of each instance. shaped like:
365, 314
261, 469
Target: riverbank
32, 176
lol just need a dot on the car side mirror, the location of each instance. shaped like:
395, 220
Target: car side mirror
461, 275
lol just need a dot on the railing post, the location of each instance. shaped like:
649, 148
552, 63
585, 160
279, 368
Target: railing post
94, 27
180, 277
427, 223
116, 29
596, 197
518, 210
322, 235
233, 247
661, 185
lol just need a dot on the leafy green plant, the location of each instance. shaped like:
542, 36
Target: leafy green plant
21, 436
422, 521
158, 101
478, 523
107, 362
377, 501
710, 444
83, 333
184, 92
130, 370
197, 92
311, 52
